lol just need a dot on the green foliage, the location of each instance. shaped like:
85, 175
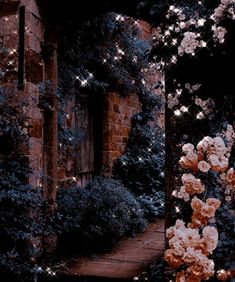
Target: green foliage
94, 53
92, 218
21, 221
141, 168
153, 205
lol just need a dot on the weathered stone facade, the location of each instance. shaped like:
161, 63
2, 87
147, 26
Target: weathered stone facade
117, 125
39, 63
36, 68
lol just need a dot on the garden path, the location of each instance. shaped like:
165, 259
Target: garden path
127, 260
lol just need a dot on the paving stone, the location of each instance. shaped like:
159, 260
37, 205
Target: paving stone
127, 259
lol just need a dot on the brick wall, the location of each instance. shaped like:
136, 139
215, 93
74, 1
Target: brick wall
118, 112
41, 149
9, 27
36, 70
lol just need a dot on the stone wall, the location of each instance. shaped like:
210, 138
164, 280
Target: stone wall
40, 65
118, 111
36, 68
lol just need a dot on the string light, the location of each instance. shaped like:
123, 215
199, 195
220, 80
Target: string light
84, 82
179, 91
184, 109
200, 115
177, 112
177, 209
91, 75
204, 44
119, 18
201, 22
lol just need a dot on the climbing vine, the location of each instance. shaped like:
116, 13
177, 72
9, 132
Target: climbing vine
110, 54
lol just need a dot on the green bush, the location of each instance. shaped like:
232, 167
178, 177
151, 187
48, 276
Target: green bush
95, 217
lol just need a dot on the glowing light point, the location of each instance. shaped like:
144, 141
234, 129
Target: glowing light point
177, 209
177, 112
119, 18
200, 115
179, 91
201, 22
184, 109
84, 83
204, 44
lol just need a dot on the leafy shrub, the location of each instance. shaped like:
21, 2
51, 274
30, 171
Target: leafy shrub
142, 165
98, 215
21, 221
153, 205
21, 225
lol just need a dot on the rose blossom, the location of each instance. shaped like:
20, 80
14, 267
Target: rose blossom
213, 202
203, 166
196, 204
208, 211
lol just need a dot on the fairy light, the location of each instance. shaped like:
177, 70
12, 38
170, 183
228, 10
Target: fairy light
179, 91
91, 75
200, 115
174, 41
134, 59
136, 278
177, 209
119, 18
204, 44
184, 109
84, 82
177, 112
173, 59
201, 22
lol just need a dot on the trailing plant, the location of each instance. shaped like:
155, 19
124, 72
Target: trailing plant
21, 222
92, 218
153, 205
111, 47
